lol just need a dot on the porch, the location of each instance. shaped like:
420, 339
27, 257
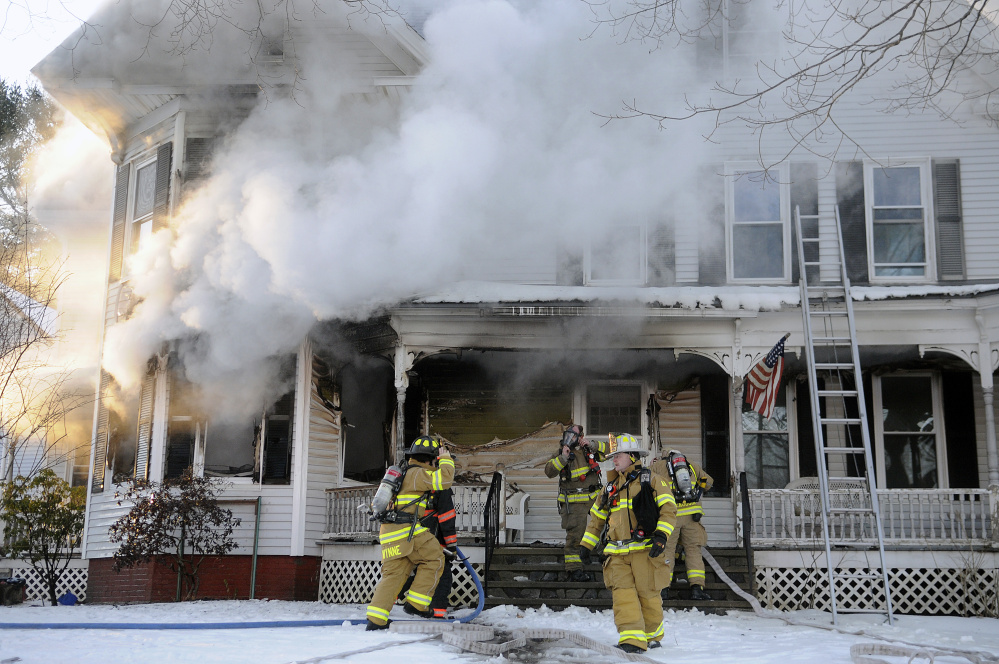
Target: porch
911, 518
940, 545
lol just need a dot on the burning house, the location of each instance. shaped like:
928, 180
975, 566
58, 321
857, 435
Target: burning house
336, 232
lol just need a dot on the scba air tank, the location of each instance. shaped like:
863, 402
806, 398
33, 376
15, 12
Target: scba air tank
389, 486
681, 473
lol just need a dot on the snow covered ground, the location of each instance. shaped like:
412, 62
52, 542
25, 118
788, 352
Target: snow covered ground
690, 635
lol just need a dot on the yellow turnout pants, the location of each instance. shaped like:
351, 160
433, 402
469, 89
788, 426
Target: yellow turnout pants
692, 536
423, 552
635, 581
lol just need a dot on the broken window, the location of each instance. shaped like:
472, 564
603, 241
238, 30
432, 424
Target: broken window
121, 435
368, 401
219, 444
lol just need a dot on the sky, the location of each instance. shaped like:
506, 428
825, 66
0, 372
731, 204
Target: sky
29, 29
739, 636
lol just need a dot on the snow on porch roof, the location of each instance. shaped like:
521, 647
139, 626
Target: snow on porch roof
730, 298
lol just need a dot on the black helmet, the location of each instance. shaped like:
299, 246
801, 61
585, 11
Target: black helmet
424, 446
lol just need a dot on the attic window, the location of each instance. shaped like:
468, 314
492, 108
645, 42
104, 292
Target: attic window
271, 50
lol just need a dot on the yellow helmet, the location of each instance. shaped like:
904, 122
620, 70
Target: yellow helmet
625, 443
426, 445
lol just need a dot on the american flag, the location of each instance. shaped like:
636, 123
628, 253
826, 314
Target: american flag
763, 381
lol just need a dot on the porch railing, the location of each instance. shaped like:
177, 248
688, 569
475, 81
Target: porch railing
345, 521
926, 517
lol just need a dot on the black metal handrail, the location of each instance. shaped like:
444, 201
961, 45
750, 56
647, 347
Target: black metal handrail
747, 521
492, 522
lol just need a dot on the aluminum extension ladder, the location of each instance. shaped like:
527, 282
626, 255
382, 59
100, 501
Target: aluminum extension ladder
839, 418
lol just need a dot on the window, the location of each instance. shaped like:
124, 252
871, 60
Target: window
257, 448
122, 432
616, 256
759, 232
614, 409
767, 445
141, 218
898, 199
909, 433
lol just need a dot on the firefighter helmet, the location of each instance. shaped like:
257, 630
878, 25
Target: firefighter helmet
424, 445
625, 443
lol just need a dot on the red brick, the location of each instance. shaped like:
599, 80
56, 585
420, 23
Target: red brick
225, 577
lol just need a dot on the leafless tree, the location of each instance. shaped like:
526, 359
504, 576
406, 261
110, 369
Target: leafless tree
36, 398
804, 58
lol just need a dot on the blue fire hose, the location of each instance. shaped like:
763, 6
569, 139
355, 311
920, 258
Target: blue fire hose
247, 625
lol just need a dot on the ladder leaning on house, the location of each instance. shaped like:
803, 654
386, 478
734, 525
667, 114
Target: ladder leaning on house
842, 440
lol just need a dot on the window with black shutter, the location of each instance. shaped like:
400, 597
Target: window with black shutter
804, 199
711, 229
853, 219
947, 208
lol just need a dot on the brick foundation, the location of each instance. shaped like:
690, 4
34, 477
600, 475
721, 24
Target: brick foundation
226, 577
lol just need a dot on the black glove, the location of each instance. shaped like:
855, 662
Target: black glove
658, 545
451, 552
584, 555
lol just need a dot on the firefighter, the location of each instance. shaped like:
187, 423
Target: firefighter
406, 543
439, 519
579, 482
639, 511
689, 481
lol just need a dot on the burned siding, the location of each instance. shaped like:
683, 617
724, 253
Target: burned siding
469, 404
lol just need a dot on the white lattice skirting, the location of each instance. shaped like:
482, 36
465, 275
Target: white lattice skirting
354, 581
962, 592
73, 579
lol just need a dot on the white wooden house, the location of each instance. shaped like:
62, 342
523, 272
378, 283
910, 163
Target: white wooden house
649, 329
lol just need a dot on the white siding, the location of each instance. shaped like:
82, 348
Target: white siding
275, 519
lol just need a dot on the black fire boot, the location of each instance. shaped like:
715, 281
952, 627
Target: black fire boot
655, 644
630, 648
697, 593
372, 626
579, 576
413, 611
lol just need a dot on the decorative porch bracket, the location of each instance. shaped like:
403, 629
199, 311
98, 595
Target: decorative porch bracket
975, 356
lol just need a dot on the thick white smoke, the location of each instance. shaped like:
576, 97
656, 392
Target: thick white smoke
326, 205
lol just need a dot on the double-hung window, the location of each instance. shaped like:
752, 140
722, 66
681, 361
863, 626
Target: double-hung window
614, 408
140, 226
899, 209
616, 256
759, 230
909, 432
769, 455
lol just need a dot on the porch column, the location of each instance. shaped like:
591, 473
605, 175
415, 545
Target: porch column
985, 374
401, 383
990, 431
738, 448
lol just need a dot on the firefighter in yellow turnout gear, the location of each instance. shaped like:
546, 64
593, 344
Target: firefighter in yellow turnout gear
578, 484
407, 544
635, 570
689, 481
